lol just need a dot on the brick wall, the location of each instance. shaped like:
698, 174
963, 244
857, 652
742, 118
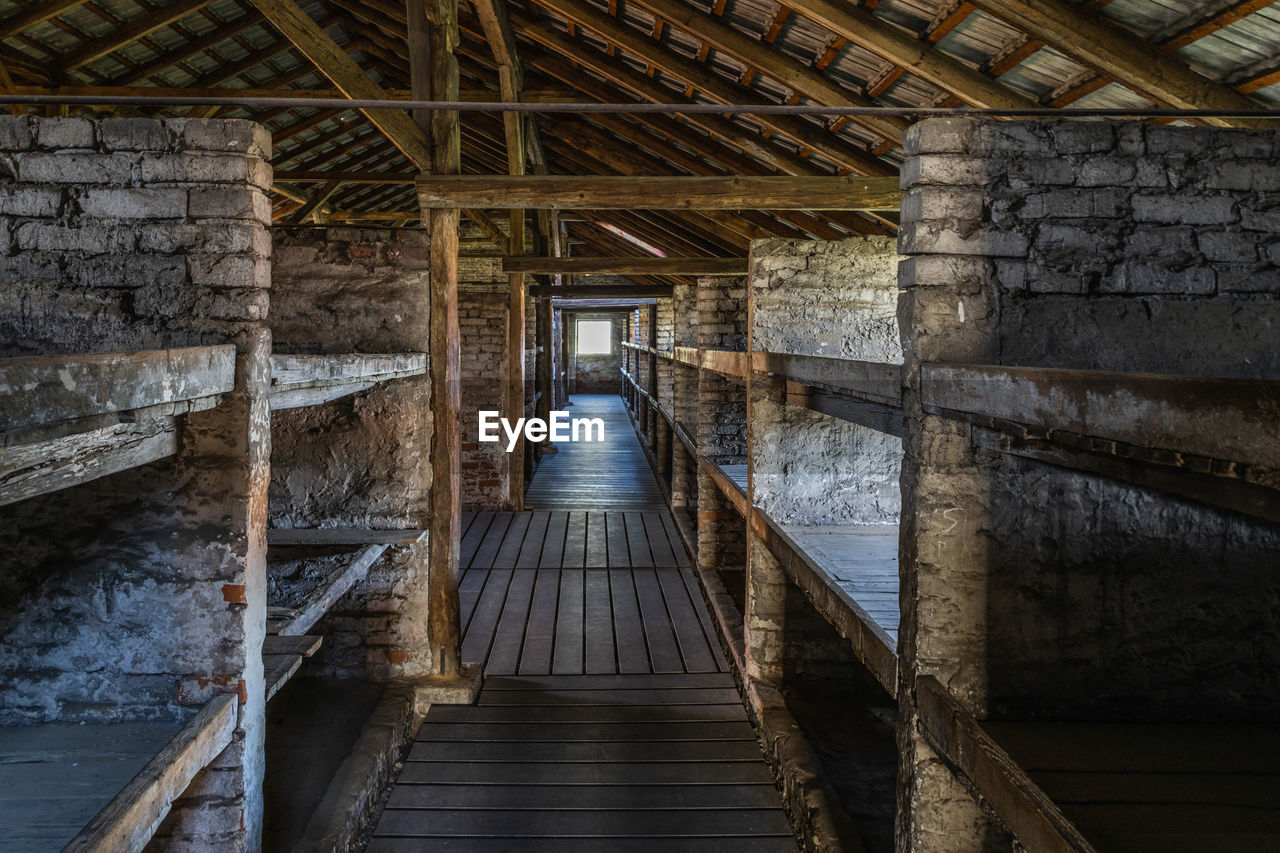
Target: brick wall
482, 318
361, 460
722, 313
129, 234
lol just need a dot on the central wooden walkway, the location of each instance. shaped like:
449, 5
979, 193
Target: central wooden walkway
608, 720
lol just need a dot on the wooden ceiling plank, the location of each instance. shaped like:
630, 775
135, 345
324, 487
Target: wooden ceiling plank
922, 59
1119, 55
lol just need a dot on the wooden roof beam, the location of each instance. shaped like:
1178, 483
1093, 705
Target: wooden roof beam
1118, 54
830, 146
625, 265
922, 59
579, 192
757, 55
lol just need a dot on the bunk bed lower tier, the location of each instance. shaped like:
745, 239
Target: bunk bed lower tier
850, 572
1176, 788
72, 787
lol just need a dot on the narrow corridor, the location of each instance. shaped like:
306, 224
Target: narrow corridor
608, 718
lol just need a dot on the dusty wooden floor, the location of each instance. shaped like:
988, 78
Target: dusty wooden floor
608, 719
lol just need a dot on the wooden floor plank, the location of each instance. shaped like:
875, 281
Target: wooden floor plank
484, 621
673, 537
610, 682
509, 551
582, 823
616, 535
659, 637
633, 653
728, 844
603, 773
656, 536
508, 639
552, 556
597, 544
487, 551
470, 542
576, 796
469, 587
637, 539
654, 696
644, 732
567, 658
599, 625
694, 648
570, 715
588, 751
575, 541
704, 619
531, 548
540, 635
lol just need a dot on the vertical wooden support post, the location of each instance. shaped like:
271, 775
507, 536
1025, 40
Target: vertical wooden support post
434, 76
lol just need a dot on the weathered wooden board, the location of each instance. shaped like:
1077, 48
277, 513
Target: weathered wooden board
34, 469
127, 823
310, 611
50, 388
321, 536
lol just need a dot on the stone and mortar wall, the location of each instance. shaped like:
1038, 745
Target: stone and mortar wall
1105, 246
129, 234
832, 298
684, 397
595, 374
1036, 591
721, 313
836, 299
486, 471
361, 460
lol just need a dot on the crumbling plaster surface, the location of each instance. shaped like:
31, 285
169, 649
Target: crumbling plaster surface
831, 298
129, 234
359, 461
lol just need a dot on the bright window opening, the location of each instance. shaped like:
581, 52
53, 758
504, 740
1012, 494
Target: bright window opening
595, 337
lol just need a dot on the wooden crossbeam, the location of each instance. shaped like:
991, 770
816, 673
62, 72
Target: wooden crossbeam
480, 96
598, 291
626, 266
1114, 52
536, 192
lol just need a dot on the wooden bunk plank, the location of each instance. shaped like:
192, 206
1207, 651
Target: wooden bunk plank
48, 466
319, 602
127, 823
53, 388
325, 536
282, 656
299, 380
